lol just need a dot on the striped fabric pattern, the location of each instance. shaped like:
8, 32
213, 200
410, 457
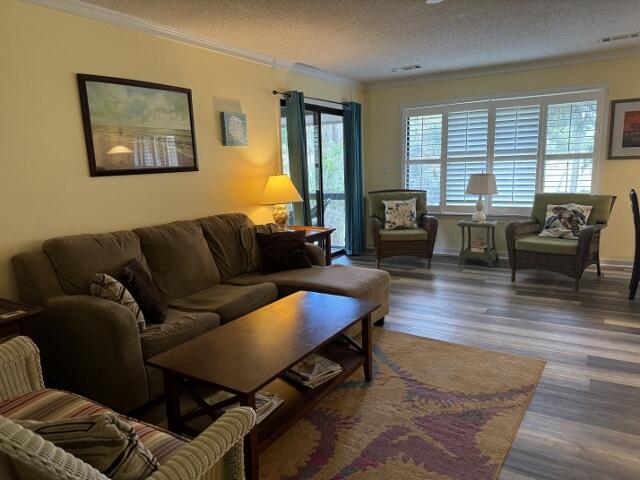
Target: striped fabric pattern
107, 287
48, 404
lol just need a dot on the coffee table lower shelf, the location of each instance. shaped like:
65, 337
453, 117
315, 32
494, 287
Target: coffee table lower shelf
297, 399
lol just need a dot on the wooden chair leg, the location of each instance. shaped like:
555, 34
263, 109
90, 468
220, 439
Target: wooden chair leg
513, 274
429, 263
378, 263
576, 286
599, 269
633, 286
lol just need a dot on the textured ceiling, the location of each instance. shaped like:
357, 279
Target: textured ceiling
363, 39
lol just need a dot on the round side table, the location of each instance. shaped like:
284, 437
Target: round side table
490, 254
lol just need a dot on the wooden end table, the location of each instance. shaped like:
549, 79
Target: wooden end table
317, 234
15, 317
252, 352
490, 255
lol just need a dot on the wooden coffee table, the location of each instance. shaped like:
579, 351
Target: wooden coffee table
252, 352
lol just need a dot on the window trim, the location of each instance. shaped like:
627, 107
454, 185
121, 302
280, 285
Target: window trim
544, 99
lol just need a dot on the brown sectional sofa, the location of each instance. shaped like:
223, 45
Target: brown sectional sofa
206, 268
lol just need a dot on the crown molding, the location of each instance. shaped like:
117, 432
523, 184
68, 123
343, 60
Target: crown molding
131, 22
508, 68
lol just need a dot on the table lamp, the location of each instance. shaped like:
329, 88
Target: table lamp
279, 191
481, 184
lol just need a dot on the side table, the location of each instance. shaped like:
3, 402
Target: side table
317, 234
490, 253
14, 317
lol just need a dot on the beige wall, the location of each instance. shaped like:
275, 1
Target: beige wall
382, 134
45, 187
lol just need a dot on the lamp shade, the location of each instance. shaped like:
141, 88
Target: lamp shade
482, 184
280, 189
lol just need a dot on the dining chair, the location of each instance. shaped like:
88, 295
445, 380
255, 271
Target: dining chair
635, 276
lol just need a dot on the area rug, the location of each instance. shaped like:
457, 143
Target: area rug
434, 410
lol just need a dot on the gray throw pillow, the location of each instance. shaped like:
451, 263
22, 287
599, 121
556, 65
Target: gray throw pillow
252, 259
105, 442
107, 287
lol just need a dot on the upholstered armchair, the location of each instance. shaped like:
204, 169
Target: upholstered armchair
415, 242
527, 250
216, 454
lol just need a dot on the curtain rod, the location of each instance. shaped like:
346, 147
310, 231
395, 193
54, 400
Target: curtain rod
276, 92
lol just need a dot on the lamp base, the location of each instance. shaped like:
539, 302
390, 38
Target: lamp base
479, 215
280, 216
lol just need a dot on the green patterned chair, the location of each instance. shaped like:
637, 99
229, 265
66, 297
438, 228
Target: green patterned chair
414, 242
527, 250
216, 454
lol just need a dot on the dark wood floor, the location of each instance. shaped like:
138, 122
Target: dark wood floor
584, 420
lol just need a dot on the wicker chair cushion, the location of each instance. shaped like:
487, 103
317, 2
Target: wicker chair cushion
599, 214
406, 235
558, 246
49, 404
376, 207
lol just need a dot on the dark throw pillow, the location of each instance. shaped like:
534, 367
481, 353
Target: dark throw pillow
103, 441
282, 251
144, 291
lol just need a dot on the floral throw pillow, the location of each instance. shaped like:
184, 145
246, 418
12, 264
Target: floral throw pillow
400, 214
565, 221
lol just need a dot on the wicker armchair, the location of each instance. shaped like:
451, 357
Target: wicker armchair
415, 242
215, 453
527, 250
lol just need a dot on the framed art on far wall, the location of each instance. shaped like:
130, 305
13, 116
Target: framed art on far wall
624, 131
133, 127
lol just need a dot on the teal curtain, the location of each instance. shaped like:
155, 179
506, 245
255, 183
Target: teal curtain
297, 142
353, 177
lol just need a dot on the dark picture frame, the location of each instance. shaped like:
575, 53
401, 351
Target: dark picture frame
133, 127
624, 129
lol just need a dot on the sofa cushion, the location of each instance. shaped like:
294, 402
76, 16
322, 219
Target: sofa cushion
77, 258
178, 328
104, 441
357, 282
49, 404
558, 246
179, 258
406, 235
223, 237
229, 301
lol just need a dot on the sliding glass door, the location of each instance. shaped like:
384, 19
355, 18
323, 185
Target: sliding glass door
325, 162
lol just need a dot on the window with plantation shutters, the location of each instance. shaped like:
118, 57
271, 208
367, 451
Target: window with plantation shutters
423, 155
515, 155
532, 144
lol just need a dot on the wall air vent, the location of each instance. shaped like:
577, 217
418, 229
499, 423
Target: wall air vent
406, 68
624, 36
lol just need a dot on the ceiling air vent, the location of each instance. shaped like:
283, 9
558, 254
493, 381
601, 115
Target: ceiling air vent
624, 36
406, 68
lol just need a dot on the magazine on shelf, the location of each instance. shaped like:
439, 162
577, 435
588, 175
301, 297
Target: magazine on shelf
313, 371
266, 402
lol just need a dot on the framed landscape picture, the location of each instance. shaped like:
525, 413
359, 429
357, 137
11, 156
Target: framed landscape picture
134, 127
624, 133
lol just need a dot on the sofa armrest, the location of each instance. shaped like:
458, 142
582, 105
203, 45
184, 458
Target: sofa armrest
91, 346
515, 230
20, 371
430, 224
222, 441
316, 255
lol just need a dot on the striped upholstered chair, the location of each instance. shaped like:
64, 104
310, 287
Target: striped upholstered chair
217, 453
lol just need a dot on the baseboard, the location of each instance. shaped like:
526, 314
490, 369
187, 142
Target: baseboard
454, 252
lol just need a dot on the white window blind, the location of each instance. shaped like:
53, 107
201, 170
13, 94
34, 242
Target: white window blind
423, 155
531, 144
516, 141
569, 153
466, 153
